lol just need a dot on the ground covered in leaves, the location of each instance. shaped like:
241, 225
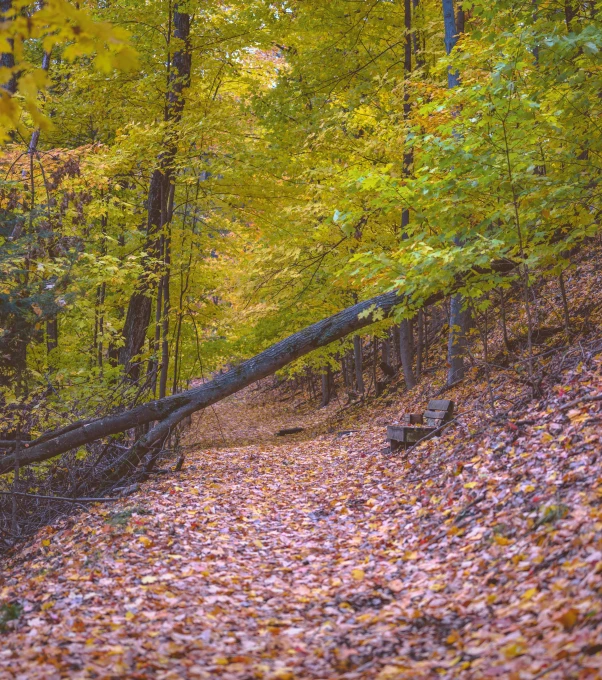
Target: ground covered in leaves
477, 555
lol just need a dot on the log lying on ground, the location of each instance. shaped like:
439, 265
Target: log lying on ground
171, 410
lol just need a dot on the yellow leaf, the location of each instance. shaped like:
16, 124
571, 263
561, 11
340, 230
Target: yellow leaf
258, 543
501, 540
390, 673
528, 594
357, 574
148, 579
282, 674
470, 485
146, 541
129, 616
453, 637
47, 605
220, 661
569, 619
45, 542
514, 649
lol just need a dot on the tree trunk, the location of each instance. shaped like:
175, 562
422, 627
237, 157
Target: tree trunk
426, 339
396, 345
419, 344
139, 309
165, 325
52, 334
326, 387
456, 340
565, 305
358, 361
374, 365
416, 42
387, 351
345, 371
457, 330
503, 319
406, 353
451, 38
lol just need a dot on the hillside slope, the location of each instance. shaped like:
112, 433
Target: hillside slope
477, 555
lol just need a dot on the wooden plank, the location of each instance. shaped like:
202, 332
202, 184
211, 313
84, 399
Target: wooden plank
441, 405
396, 432
412, 419
436, 414
415, 434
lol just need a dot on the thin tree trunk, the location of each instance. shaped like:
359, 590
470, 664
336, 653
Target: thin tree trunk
344, 372
52, 334
396, 345
387, 351
326, 387
503, 319
165, 321
358, 360
565, 305
569, 14
419, 343
457, 331
426, 339
406, 353
416, 42
375, 365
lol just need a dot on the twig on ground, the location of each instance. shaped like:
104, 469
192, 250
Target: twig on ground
582, 400
59, 498
472, 503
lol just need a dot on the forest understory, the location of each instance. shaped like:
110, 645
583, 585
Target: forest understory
320, 555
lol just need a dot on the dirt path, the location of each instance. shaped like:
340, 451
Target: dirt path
324, 558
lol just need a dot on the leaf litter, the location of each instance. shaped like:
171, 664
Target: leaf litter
476, 555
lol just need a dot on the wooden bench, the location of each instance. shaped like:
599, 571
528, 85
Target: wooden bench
418, 426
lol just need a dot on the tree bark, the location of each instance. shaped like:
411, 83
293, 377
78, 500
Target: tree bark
456, 340
457, 319
139, 309
358, 361
375, 364
406, 353
419, 344
326, 387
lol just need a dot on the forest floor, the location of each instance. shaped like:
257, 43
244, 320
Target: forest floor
477, 555
321, 555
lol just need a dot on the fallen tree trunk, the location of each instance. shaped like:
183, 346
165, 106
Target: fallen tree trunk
169, 411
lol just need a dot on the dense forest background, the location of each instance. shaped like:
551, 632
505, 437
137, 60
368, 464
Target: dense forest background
186, 183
